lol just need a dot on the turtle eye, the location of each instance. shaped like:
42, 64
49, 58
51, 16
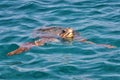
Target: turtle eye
63, 31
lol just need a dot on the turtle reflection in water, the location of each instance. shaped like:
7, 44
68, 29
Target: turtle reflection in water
54, 34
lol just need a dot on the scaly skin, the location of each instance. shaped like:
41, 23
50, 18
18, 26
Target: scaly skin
64, 33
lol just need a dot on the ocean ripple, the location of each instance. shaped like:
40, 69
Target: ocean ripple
96, 20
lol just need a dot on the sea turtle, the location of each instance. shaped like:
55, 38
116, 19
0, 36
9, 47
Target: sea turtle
53, 34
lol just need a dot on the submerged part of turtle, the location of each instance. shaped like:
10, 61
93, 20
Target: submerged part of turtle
54, 34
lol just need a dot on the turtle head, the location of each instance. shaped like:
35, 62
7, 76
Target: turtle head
67, 33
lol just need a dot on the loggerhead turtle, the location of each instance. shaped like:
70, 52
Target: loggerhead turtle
53, 34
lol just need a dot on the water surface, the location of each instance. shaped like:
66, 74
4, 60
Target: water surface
96, 20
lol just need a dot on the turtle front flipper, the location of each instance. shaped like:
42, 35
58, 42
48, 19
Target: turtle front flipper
108, 45
22, 48
18, 51
90, 42
29, 45
26, 47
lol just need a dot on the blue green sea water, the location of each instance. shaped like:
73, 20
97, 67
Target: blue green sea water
96, 20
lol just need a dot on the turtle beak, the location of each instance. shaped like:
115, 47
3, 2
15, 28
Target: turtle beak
68, 33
